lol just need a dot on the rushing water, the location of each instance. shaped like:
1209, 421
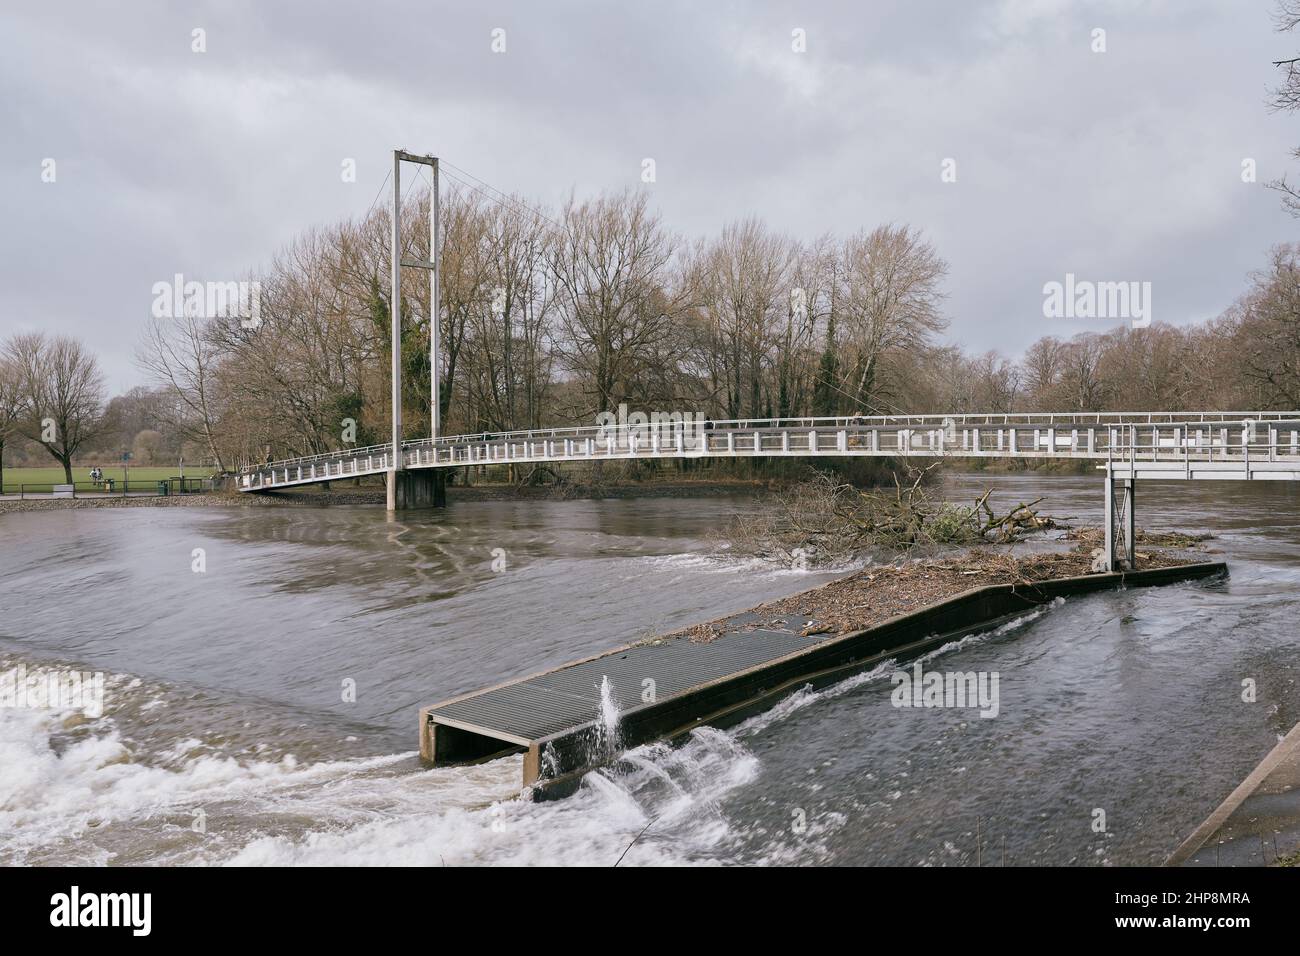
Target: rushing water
263, 710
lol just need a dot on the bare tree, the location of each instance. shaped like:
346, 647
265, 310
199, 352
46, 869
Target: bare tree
611, 269
747, 301
1286, 97
65, 393
511, 328
890, 304
1266, 331
181, 355
465, 288
1041, 371
1081, 375
13, 406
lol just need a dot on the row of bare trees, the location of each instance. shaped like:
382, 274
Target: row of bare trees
552, 317
1248, 358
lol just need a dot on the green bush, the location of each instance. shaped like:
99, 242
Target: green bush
953, 524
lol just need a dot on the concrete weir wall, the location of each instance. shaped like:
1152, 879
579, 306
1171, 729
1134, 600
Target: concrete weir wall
554, 763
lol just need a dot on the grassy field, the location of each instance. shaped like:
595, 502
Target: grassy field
47, 476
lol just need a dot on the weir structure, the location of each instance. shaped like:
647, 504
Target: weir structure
666, 687
1127, 446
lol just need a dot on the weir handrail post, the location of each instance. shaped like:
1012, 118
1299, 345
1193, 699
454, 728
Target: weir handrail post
1109, 538
1130, 522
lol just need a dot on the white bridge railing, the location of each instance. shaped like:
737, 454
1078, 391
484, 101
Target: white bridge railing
1204, 444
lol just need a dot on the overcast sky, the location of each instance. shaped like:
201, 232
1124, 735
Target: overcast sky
1120, 165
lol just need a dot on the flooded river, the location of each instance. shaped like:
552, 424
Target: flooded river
264, 666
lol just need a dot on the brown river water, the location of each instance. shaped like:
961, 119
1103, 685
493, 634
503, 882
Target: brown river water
229, 733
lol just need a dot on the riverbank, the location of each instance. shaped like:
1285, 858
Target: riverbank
374, 493
211, 499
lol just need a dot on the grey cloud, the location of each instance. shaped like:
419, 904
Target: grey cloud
1121, 165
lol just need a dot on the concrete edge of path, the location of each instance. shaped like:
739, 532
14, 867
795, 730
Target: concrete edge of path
1278, 775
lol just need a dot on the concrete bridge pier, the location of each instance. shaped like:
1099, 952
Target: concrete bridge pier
1121, 524
410, 490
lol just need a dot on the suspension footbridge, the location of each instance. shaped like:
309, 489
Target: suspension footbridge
1128, 446
1195, 445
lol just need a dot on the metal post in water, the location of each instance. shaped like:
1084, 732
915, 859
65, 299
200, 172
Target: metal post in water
435, 256
395, 311
1109, 543
1130, 521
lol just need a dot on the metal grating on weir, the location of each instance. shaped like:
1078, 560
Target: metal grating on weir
569, 697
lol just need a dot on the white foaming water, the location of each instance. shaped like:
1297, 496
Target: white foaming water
981, 636
608, 739
76, 790
763, 567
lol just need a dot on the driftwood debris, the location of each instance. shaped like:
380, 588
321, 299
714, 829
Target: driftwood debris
875, 594
823, 519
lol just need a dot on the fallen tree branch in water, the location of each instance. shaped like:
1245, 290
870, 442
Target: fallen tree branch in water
824, 520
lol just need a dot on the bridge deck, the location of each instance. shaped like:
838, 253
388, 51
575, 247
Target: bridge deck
1242, 445
665, 687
